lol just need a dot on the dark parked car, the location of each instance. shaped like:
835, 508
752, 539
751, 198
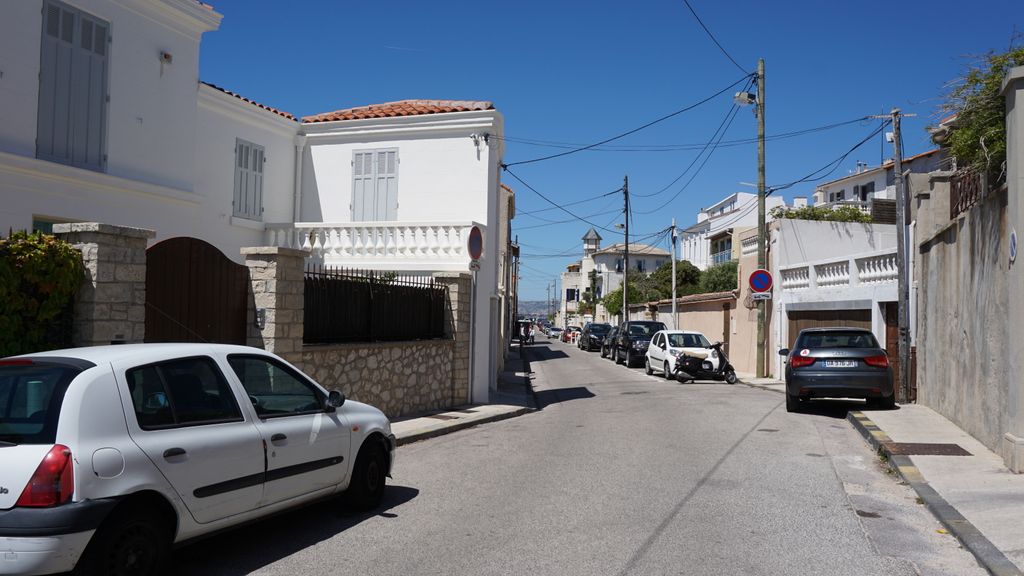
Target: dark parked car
608, 344
593, 336
633, 339
837, 363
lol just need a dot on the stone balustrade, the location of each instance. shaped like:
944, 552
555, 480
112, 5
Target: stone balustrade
871, 269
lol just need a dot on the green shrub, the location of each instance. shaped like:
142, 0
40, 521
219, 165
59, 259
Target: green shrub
39, 276
838, 214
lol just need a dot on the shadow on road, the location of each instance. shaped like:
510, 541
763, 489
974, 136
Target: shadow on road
557, 395
836, 408
249, 549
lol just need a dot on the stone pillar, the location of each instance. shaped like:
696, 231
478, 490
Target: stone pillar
457, 326
276, 276
110, 307
1013, 438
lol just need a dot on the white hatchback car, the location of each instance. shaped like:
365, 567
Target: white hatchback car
109, 455
667, 345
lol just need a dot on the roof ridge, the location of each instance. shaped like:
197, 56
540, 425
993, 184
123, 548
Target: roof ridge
408, 107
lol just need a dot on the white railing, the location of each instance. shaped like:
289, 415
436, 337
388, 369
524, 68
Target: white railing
870, 269
748, 246
833, 274
796, 278
439, 246
877, 269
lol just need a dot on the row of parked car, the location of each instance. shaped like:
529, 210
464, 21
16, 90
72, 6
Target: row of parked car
837, 362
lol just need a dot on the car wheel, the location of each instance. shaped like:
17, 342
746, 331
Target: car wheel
792, 403
604, 353
886, 402
629, 358
368, 477
129, 543
647, 366
730, 377
618, 359
667, 373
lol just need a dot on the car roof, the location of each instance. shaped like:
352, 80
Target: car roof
666, 332
835, 329
142, 352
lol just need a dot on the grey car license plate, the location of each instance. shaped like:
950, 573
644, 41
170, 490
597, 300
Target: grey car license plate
840, 363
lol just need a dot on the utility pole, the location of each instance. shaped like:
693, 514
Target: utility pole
760, 213
548, 315
625, 268
903, 394
675, 322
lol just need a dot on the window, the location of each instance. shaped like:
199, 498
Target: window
248, 199
273, 388
189, 391
30, 401
375, 185
618, 265
865, 191
641, 265
71, 123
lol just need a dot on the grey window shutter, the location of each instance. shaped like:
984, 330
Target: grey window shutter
362, 186
387, 184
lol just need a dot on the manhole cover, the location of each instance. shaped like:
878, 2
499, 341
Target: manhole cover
924, 449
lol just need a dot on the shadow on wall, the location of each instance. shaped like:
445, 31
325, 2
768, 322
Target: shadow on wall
312, 210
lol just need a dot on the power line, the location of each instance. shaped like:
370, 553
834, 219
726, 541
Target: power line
814, 176
553, 203
550, 222
712, 36
527, 213
633, 131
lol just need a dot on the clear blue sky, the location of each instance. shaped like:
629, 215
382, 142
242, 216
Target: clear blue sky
582, 71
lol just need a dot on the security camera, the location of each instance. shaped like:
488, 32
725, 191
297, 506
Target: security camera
166, 57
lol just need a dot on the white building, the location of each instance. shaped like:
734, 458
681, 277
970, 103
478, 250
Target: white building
709, 241
103, 118
866, 184
600, 272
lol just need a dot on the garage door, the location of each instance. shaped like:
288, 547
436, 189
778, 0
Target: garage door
826, 319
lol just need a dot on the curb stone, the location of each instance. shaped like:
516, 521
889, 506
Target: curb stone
443, 429
988, 556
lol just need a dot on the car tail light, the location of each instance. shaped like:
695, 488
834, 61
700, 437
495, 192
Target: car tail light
801, 361
53, 481
880, 361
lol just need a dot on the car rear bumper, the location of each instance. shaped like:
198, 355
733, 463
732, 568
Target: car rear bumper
851, 384
43, 554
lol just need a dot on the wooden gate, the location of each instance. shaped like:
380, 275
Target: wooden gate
194, 293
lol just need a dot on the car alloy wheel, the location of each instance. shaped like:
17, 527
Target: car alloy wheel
667, 373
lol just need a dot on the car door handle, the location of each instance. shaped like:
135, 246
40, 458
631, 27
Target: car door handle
278, 437
172, 452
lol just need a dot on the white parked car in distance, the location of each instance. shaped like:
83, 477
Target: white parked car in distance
667, 345
109, 455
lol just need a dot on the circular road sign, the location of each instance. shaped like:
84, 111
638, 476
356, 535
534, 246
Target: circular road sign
475, 244
760, 281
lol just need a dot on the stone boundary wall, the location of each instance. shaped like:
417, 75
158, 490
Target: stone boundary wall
400, 378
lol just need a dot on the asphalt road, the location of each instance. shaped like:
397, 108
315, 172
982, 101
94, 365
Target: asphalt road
618, 474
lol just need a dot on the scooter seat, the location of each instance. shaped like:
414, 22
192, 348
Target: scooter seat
696, 354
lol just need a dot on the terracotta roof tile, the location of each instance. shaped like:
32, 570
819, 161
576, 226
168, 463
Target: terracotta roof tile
400, 108
253, 102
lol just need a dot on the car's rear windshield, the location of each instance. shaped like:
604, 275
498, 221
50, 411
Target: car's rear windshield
645, 328
31, 395
837, 339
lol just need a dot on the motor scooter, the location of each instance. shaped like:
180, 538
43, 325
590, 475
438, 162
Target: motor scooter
693, 366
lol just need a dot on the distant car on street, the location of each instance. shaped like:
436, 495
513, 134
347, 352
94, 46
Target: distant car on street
668, 345
554, 332
570, 333
837, 363
608, 344
633, 339
592, 336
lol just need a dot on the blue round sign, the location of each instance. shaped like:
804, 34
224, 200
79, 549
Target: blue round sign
475, 245
760, 281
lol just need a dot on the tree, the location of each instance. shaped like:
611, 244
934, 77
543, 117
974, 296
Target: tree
979, 136
720, 278
687, 279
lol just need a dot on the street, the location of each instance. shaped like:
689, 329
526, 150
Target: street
618, 473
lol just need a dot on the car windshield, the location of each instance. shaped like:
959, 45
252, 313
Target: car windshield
837, 339
599, 328
644, 328
30, 398
688, 341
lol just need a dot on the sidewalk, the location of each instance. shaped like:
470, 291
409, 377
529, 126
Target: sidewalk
974, 495
514, 397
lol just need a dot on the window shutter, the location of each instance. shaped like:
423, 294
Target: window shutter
387, 185
362, 186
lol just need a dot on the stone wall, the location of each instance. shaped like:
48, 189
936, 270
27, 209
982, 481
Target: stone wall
400, 378
110, 307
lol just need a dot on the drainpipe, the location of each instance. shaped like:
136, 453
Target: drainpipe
300, 147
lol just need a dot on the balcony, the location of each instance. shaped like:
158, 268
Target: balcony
722, 257
862, 270
404, 246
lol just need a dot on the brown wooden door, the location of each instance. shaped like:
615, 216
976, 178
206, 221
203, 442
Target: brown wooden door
194, 293
799, 320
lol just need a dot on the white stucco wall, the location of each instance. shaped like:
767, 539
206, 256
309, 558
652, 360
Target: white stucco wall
694, 245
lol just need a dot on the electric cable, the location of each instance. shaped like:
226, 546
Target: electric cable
529, 212
553, 203
633, 131
712, 36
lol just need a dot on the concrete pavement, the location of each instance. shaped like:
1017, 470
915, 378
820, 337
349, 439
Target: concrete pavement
975, 496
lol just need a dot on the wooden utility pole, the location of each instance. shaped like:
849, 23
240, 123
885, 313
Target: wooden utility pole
760, 214
625, 267
675, 321
903, 349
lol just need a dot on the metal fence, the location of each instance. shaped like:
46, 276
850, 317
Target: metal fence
343, 305
965, 188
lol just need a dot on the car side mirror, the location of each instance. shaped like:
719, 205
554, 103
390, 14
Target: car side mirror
784, 352
335, 399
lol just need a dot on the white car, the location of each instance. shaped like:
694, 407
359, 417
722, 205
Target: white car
667, 345
555, 332
109, 455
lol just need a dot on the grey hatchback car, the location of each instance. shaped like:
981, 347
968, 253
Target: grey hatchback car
837, 363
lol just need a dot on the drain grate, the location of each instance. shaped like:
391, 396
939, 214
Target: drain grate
924, 449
